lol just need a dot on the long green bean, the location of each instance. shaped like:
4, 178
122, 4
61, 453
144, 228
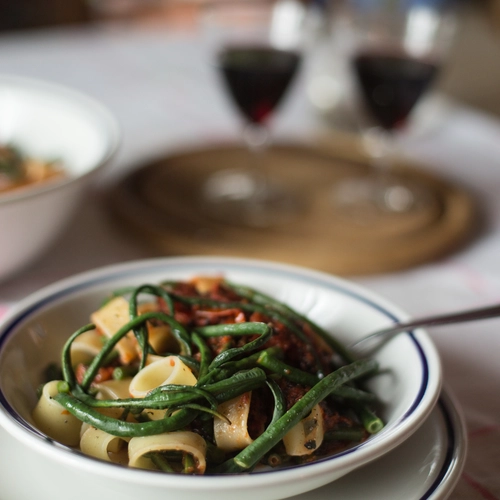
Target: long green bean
177, 329
265, 300
249, 456
119, 428
279, 400
67, 368
174, 395
205, 355
262, 329
141, 331
252, 307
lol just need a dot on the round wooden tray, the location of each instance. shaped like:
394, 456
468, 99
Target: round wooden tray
161, 201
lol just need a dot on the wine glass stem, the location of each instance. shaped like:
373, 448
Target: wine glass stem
257, 140
390, 192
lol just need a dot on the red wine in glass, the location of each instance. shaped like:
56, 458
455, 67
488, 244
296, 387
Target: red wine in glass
257, 78
391, 84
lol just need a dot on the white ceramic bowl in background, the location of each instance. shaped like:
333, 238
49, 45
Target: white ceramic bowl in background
47, 121
33, 334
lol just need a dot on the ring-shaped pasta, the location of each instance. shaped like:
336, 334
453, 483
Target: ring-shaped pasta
179, 441
233, 436
305, 437
113, 389
109, 319
53, 419
167, 370
104, 446
85, 347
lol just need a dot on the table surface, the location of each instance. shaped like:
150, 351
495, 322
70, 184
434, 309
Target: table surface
165, 97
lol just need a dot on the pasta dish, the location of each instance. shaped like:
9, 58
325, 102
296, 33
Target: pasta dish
205, 377
18, 170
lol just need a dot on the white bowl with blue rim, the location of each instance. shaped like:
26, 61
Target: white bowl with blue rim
32, 336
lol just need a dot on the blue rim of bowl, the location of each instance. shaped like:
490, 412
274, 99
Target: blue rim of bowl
118, 271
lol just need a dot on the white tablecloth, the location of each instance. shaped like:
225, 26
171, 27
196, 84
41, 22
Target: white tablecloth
165, 96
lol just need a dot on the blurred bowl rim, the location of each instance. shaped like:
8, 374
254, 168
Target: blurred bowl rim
111, 126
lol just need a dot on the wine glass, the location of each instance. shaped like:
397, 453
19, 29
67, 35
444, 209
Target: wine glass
257, 55
395, 49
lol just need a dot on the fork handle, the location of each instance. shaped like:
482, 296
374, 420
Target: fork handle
443, 319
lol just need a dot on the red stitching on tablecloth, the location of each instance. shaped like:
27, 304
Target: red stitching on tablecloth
486, 494
3, 310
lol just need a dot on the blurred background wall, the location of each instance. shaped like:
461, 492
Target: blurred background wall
473, 75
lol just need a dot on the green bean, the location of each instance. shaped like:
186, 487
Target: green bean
287, 371
307, 379
195, 391
265, 300
249, 456
63, 386
250, 361
204, 409
205, 355
371, 422
203, 301
279, 400
141, 331
354, 394
122, 372
125, 414
174, 395
251, 328
67, 367
178, 330
355, 435
188, 463
244, 381
119, 428
169, 399
156, 290
160, 462
235, 385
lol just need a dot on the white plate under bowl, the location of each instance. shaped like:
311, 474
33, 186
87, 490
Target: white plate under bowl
33, 334
425, 467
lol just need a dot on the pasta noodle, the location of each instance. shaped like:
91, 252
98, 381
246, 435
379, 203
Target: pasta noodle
168, 370
307, 435
163, 371
86, 347
54, 420
232, 434
112, 389
104, 446
181, 441
205, 377
109, 319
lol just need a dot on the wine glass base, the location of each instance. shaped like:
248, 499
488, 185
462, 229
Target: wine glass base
238, 197
381, 199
